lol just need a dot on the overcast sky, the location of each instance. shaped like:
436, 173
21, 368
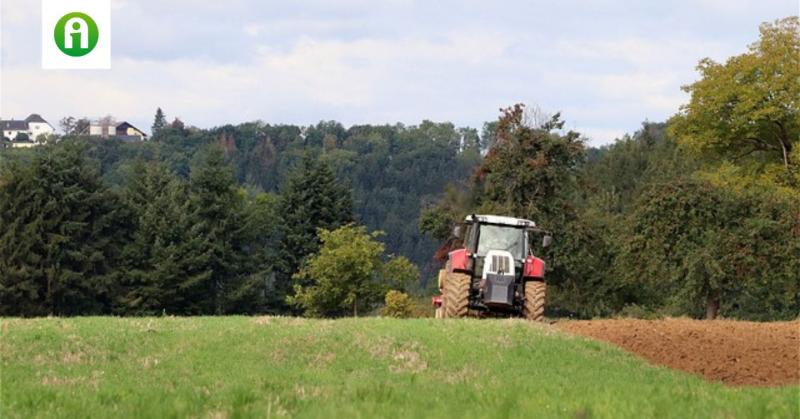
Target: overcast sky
606, 65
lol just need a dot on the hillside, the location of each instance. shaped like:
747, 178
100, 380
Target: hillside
286, 367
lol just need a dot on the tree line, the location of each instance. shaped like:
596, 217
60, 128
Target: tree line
392, 171
74, 245
376, 176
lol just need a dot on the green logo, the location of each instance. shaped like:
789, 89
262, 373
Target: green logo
76, 34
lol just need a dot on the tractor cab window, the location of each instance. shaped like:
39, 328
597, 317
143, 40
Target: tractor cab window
494, 237
470, 236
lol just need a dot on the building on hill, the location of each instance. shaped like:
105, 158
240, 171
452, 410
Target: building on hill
109, 128
24, 133
126, 131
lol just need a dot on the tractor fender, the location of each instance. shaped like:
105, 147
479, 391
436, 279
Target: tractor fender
534, 268
459, 260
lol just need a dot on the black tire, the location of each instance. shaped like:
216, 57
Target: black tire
534, 300
456, 295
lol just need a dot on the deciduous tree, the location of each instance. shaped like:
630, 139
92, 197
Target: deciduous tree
348, 275
747, 108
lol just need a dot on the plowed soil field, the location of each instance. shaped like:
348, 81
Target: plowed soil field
733, 352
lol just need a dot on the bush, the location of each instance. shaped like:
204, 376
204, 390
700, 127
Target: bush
398, 304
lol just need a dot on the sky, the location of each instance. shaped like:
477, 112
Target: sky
607, 66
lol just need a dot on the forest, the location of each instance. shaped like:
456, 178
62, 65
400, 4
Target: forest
698, 215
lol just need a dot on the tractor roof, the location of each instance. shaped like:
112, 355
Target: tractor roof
499, 219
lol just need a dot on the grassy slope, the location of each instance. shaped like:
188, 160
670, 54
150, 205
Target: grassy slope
272, 367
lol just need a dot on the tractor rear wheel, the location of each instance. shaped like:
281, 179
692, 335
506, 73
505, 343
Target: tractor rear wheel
534, 300
456, 295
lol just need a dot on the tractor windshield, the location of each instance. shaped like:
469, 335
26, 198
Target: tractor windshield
495, 237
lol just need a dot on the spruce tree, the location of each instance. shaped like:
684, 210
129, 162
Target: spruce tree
159, 122
216, 234
151, 268
61, 230
311, 199
249, 292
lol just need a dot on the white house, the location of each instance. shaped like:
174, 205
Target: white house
23, 133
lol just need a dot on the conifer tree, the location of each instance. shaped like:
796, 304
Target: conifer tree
311, 199
61, 230
217, 235
250, 292
151, 271
159, 122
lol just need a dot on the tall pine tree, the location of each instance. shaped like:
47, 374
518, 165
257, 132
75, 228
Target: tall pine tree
311, 199
152, 265
217, 233
159, 122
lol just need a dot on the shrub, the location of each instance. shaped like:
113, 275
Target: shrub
398, 304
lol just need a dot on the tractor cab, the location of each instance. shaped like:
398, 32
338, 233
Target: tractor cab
497, 236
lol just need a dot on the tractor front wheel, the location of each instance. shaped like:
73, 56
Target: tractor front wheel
534, 300
456, 295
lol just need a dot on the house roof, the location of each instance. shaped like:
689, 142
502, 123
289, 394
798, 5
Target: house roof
35, 117
126, 125
14, 125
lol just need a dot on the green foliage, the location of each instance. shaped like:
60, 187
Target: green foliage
615, 174
438, 220
747, 109
391, 170
310, 200
343, 278
74, 127
529, 171
159, 121
71, 246
348, 276
398, 304
697, 247
609, 185
400, 274
532, 171
61, 229
261, 235
153, 263
216, 237
580, 271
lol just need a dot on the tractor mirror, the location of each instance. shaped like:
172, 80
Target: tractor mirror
547, 240
457, 231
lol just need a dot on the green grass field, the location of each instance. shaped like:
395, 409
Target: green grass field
228, 367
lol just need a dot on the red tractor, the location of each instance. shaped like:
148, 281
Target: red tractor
495, 273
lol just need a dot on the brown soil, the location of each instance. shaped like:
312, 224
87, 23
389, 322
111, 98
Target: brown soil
733, 352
